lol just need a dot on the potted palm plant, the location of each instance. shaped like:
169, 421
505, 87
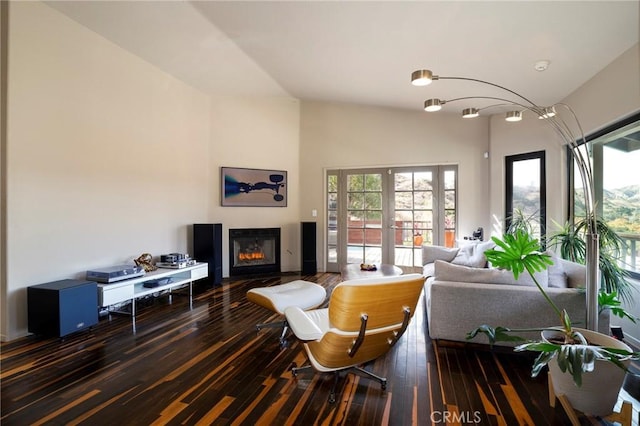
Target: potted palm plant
570, 242
593, 361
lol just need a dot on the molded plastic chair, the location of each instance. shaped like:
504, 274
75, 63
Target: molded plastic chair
364, 319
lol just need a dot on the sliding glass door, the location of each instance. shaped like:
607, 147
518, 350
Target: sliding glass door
386, 215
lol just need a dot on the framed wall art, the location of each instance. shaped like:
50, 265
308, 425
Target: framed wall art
253, 187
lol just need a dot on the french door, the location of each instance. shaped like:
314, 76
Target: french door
386, 215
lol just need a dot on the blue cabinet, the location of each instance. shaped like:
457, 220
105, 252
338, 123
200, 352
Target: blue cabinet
62, 307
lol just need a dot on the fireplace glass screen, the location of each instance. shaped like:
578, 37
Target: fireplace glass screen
254, 250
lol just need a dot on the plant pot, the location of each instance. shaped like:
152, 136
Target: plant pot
449, 238
599, 391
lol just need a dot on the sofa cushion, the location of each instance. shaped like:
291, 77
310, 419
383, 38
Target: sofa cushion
473, 254
444, 271
557, 275
432, 253
575, 272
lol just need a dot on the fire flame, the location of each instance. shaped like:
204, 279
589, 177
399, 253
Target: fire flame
251, 256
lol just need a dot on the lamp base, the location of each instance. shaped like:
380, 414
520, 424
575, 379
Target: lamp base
616, 332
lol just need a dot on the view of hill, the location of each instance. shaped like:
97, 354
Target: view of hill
621, 206
621, 209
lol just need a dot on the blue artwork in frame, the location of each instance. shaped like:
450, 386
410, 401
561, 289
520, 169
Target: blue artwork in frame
253, 187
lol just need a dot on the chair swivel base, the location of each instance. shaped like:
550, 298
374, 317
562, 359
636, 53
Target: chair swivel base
283, 324
336, 375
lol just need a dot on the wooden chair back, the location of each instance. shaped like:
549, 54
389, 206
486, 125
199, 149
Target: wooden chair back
383, 302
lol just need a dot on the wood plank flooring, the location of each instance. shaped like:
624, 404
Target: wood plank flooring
205, 364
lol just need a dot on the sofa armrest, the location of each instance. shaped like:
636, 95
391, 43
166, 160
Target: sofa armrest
428, 270
456, 308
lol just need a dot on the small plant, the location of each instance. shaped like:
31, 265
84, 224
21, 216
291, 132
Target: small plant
520, 253
519, 221
610, 302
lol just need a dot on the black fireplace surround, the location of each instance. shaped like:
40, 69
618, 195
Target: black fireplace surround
254, 251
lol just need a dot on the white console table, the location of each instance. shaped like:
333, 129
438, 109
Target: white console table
129, 290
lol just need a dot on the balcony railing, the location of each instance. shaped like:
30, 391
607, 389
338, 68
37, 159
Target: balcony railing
630, 256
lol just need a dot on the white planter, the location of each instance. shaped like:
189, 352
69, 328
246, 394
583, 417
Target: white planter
600, 388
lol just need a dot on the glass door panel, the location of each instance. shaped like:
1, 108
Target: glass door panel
332, 222
364, 217
450, 208
413, 215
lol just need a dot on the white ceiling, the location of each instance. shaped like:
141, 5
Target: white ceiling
364, 51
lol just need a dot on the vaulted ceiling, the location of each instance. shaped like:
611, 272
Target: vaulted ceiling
364, 51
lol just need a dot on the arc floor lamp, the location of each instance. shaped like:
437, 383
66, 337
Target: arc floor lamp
571, 135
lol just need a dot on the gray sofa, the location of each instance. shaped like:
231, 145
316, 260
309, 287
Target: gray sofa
459, 297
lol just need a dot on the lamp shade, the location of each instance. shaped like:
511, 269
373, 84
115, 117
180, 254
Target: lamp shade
470, 112
514, 116
421, 77
432, 105
548, 112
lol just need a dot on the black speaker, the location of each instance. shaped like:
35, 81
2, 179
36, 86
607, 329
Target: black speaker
308, 246
207, 247
61, 307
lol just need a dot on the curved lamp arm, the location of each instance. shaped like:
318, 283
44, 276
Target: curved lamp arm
564, 130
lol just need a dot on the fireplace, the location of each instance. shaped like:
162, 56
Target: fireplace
254, 251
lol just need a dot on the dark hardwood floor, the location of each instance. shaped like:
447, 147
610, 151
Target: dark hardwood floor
205, 364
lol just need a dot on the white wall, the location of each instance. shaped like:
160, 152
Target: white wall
336, 135
612, 94
259, 133
109, 157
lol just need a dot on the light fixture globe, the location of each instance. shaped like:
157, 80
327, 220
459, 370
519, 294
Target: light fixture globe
470, 112
514, 116
421, 77
432, 105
